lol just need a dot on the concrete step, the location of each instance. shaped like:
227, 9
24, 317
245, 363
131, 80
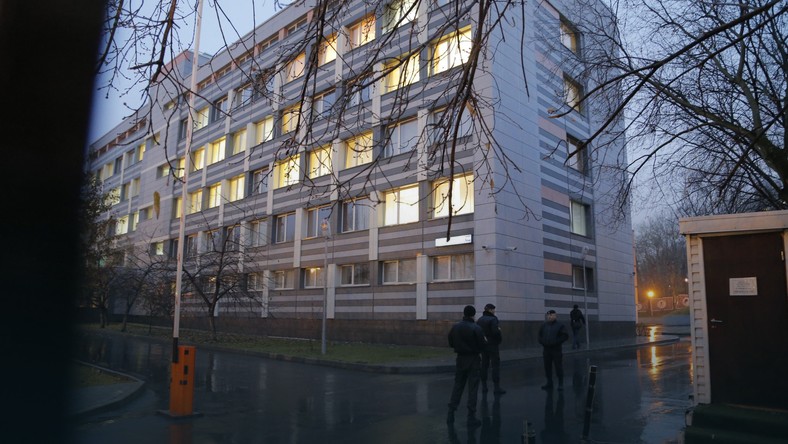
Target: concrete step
737, 424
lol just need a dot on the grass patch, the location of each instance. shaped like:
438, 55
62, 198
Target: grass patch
354, 352
89, 376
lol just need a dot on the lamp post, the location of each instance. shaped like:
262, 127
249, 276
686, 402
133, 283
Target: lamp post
326, 233
585, 298
650, 295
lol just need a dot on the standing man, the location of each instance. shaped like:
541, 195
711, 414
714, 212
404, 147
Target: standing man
491, 355
467, 339
577, 321
552, 335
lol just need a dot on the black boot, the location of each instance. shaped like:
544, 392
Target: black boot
473, 421
450, 417
498, 390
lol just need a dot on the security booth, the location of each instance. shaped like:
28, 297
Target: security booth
738, 299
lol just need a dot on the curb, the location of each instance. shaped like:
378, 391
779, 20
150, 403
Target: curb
124, 392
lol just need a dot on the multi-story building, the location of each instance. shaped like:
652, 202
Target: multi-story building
328, 168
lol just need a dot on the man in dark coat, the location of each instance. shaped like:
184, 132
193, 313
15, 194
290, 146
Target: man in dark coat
491, 356
552, 335
467, 340
577, 321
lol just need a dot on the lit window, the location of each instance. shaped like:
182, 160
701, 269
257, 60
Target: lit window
328, 50
113, 197
452, 268
362, 32
216, 151
239, 141
358, 150
295, 68
573, 93
201, 118
124, 191
195, 201
163, 170
177, 207
576, 156
398, 13
402, 72
354, 274
259, 181
324, 103
237, 187
214, 195
198, 159
122, 225
288, 171
140, 152
399, 272
257, 237
314, 221
320, 162
313, 277
264, 130
290, 118
135, 220
355, 215
283, 279
453, 50
284, 228
569, 36
582, 281
579, 215
158, 248
402, 137
461, 196
402, 206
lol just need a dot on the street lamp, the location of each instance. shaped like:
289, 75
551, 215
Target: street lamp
650, 295
326, 233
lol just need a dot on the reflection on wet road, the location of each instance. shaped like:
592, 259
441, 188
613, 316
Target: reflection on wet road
641, 396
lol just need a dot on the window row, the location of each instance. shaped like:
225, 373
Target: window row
456, 267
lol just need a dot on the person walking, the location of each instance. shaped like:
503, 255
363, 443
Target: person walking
491, 356
552, 335
576, 321
467, 340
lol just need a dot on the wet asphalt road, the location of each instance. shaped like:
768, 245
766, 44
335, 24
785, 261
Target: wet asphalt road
641, 396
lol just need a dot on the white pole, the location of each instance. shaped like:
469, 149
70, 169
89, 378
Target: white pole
184, 191
326, 232
585, 298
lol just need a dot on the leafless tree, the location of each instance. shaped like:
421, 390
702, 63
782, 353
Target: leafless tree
704, 98
140, 277
661, 256
99, 248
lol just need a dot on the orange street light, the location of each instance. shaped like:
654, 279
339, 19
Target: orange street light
650, 295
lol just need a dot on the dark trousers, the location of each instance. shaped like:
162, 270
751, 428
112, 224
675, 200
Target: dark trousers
467, 371
491, 358
553, 358
576, 337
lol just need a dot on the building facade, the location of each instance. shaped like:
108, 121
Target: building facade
389, 161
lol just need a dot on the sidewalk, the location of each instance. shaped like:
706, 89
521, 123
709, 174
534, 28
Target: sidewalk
95, 399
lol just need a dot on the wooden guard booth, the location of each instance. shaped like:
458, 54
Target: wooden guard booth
738, 299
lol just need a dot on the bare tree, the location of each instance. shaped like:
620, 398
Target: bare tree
217, 276
139, 278
100, 253
704, 98
661, 256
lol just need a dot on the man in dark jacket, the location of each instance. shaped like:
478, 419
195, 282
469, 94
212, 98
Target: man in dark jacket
467, 339
552, 335
576, 320
491, 355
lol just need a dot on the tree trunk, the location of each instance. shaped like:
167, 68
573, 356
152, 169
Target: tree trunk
212, 322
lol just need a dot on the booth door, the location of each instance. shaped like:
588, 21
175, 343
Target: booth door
747, 305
